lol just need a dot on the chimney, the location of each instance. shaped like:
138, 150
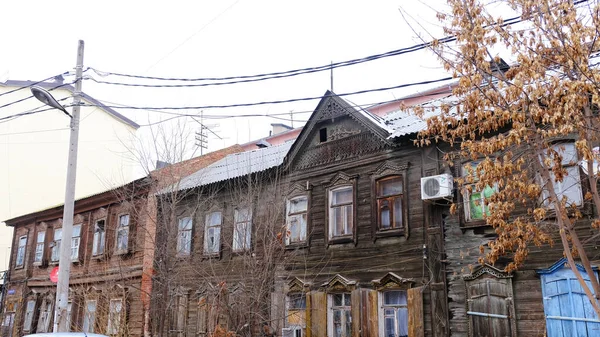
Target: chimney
279, 128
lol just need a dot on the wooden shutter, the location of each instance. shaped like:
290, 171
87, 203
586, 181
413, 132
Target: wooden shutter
490, 296
415, 312
202, 316
355, 310
318, 314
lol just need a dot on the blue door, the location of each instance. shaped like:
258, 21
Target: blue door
567, 308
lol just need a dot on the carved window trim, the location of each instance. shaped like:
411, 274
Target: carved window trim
485, 273
21, 257
385, 171
296, 288
339, 181
297, 191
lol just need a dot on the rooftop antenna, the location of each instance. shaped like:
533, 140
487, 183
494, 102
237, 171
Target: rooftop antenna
331, 74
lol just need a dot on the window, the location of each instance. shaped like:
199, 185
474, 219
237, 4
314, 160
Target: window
341, 214
56, 245
45, 316
570, 186
475, 201
39, 248
242, 231
123, 234
184, 236
323, 135
21, 251
296, 216
389, 203
29, 312
178, 323
99, 238
114, 316
567, 308
75, 240
394, 312
212, 233
489, 303
89, 316
340, 316
296, 314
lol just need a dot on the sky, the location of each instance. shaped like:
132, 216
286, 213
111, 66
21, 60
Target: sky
192, 39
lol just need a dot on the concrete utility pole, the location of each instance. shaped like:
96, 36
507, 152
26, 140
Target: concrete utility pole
64, 263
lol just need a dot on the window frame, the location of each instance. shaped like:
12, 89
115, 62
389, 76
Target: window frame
180, 252
247, 223
288, 309
76, 239
469, 221
46, 314
119, 229
21, 252
110, 329
99, 245
29, 316
346, 310
205, 249
381, 307
288, 218
570, 167
39, 249
378, 232
331, 238
87, 318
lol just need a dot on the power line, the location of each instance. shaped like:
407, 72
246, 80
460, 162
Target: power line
32, 84
31, 96
276, 101
35, 131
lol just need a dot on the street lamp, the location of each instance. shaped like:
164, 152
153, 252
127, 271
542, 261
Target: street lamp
64, 262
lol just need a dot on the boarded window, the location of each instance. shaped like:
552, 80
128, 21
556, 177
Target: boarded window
490, 308
296, 220
567, 308
114, 316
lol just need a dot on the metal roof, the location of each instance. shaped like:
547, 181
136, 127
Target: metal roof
236, 165
59, 86
405, 122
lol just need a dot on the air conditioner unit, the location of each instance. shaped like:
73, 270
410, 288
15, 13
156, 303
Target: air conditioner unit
437, 187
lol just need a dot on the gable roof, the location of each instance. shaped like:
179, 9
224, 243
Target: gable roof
332, 106
53, 85
236, 165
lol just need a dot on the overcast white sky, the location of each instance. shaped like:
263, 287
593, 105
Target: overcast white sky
217, 39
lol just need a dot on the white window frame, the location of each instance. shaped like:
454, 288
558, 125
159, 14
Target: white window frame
122, 234
21, 252
75, 242
347, 207
55, 255
467, 195
89, 316
38, 258
29, 313
99, 240
115, 311
242, 229
330, 310
382, 307
571, 183
299, 217
184, 236
216, 234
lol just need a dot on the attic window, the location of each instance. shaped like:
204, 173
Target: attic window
323, 135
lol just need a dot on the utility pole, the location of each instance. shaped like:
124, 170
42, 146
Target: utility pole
64, 263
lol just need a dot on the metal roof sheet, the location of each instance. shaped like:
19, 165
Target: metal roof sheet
405, 122
236, 165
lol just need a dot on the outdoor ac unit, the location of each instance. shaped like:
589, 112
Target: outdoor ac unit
437, 187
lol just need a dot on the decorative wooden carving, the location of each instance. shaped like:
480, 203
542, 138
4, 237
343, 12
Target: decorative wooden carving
339, 284
297, 285
336, 133
393, 281
486, 269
